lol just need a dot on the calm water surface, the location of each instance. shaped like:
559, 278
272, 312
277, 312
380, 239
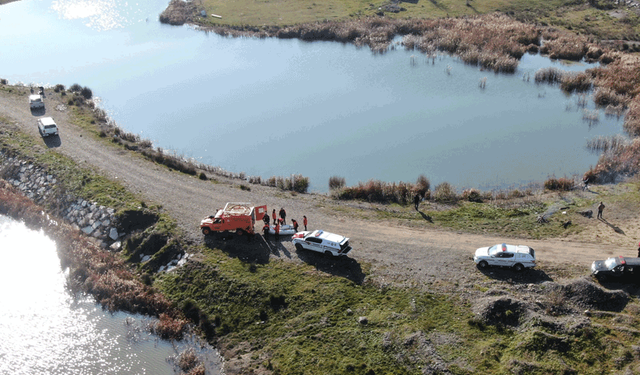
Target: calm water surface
277, 107
46, 330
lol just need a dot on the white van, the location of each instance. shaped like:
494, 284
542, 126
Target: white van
36, 101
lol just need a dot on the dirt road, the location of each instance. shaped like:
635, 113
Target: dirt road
398, 253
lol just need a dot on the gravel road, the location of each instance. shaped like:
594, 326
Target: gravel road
398, 253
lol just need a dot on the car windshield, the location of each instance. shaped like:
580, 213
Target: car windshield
611, 263
49, 126
493, 250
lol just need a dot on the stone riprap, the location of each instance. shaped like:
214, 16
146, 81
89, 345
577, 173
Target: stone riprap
91, 218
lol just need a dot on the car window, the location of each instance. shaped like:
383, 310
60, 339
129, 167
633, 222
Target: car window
507, 255
611, 263
313, 239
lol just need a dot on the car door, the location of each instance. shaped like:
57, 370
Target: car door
313, 243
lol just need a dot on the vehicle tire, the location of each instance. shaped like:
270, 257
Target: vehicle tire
483, 264
329, 253
240, 232
206, 231
601, 278
518, 267
299, 247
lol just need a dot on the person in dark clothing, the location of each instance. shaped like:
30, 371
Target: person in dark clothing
283, 215
600, 209
304, 222
265, 230
639, 250
295, 224
266, 220
416, 201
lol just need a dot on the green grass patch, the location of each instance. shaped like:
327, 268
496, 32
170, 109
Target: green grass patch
308, 322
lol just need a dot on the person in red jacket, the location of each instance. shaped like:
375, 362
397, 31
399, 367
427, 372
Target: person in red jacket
273, 215
304, 222
295, 225
277, 230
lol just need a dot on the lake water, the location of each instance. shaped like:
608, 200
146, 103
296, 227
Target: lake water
45, 329
277, 107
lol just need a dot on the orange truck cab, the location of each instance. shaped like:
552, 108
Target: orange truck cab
234, 217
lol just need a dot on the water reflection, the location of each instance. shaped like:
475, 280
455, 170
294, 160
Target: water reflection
100, 15
46, 330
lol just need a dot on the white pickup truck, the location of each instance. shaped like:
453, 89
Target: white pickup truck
36, 101
322, 242
47, 127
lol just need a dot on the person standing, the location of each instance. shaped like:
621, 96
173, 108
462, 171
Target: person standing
265, 230
295, 225
416, 201
265, 218
304, 222
277, 231
273, 215
600, 209
283, 215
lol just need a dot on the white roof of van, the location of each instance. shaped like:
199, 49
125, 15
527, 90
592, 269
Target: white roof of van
47, 121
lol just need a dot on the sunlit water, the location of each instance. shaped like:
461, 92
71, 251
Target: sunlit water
46, 330
276, 107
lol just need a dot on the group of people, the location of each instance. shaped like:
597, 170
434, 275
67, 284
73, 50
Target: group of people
279, 220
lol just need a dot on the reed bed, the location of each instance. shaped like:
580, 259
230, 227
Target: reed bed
92, 269
576, 82
563, 183
549, 75
612, 143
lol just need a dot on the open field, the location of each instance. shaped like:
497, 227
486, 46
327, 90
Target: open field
601, 18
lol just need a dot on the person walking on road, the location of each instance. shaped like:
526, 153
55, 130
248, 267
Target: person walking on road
283, 215
304, 222
600, 209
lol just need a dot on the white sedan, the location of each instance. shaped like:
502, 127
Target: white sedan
502, 255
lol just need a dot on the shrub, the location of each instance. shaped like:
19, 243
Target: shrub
202, 176
300, 183
3, 81
472, 195
445, 193
75, 88
336, 182
86, 93
422, 185
58, 88
563, 183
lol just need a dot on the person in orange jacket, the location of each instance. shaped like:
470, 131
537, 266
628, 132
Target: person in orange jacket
277, 230
295, 225
274, 216
304, 222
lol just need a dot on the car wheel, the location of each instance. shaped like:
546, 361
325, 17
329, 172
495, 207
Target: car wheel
206, 231
601, 278
299, 247
483, 264
239, 232
329, 253
518, 267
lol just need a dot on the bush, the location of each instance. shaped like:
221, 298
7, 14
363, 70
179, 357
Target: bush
445, 193
472, 195
563, 184
75, 88
58, 88
86, 93
336, 182
202, 176
422, 185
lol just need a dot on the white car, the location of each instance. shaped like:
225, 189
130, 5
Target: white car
47, 127
322, 242
502, 255
36, 101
